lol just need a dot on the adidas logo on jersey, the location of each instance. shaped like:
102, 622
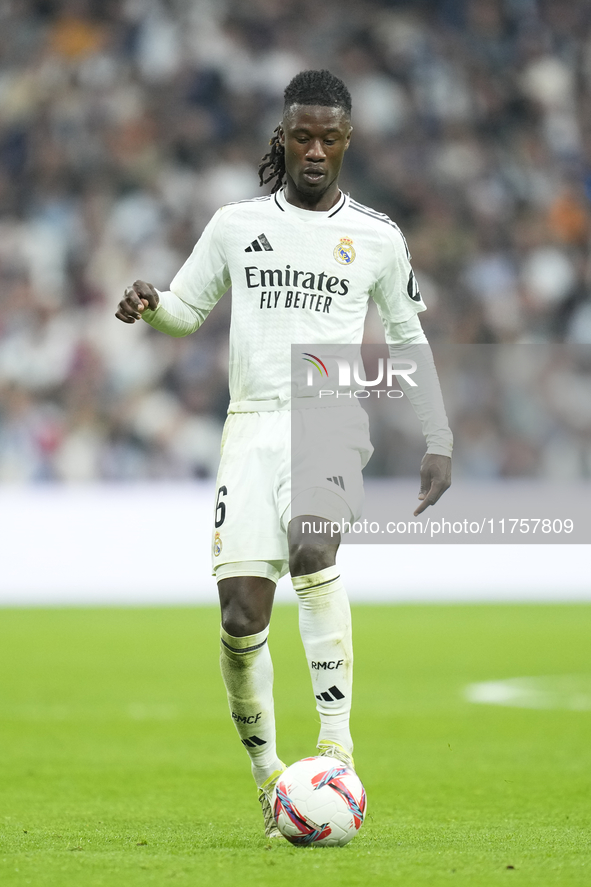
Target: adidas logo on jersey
333, 695
338, 480
253, 741
261, 243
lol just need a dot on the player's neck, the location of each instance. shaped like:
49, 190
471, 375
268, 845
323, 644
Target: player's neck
320, 204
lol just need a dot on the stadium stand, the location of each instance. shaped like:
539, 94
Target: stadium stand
124, 125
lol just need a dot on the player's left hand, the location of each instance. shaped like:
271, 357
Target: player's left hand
435, 479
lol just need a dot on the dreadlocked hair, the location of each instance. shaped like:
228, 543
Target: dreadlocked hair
306, 88
275, 161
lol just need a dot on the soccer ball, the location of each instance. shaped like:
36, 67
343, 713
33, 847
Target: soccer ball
319, 801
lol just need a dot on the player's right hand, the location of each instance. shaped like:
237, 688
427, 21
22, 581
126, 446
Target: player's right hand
137, 298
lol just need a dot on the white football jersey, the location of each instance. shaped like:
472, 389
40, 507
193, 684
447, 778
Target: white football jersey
297, 277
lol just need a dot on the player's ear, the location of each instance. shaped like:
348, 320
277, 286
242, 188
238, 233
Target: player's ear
348, 139
281, 135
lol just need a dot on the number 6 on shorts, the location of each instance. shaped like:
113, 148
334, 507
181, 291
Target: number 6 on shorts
220, 507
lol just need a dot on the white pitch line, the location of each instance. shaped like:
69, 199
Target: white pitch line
572, 692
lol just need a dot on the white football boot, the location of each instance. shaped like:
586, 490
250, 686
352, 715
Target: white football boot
265, 796
332, 749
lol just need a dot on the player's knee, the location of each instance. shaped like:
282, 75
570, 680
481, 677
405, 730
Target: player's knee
306, 557
241, 624
246, 603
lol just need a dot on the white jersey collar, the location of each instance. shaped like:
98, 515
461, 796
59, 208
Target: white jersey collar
309, 215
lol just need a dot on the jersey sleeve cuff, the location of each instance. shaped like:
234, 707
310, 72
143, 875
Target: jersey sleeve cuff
440, 450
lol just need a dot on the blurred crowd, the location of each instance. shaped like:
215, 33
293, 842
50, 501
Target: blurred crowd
124, 124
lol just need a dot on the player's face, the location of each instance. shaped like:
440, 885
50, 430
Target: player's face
315, 139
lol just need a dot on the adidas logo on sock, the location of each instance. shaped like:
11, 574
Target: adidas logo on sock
261, 243
333, 695
253, 741
338, 480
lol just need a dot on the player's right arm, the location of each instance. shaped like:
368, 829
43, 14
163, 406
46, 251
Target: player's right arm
196, 288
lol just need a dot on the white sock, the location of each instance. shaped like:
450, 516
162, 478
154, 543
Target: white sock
247, 671
325, 628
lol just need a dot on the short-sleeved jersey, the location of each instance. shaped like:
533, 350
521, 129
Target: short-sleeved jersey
297, 276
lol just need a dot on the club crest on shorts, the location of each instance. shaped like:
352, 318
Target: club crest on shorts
344, 252
217, 545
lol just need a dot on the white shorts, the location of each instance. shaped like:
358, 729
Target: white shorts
256, 496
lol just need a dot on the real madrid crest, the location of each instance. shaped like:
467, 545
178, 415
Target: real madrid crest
344, 252
217, 545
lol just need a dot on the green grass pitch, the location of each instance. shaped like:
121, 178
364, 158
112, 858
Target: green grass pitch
119, 765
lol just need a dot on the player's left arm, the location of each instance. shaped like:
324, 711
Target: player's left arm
409, 346
399, 302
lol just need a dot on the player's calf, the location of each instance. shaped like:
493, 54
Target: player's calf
325, 628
